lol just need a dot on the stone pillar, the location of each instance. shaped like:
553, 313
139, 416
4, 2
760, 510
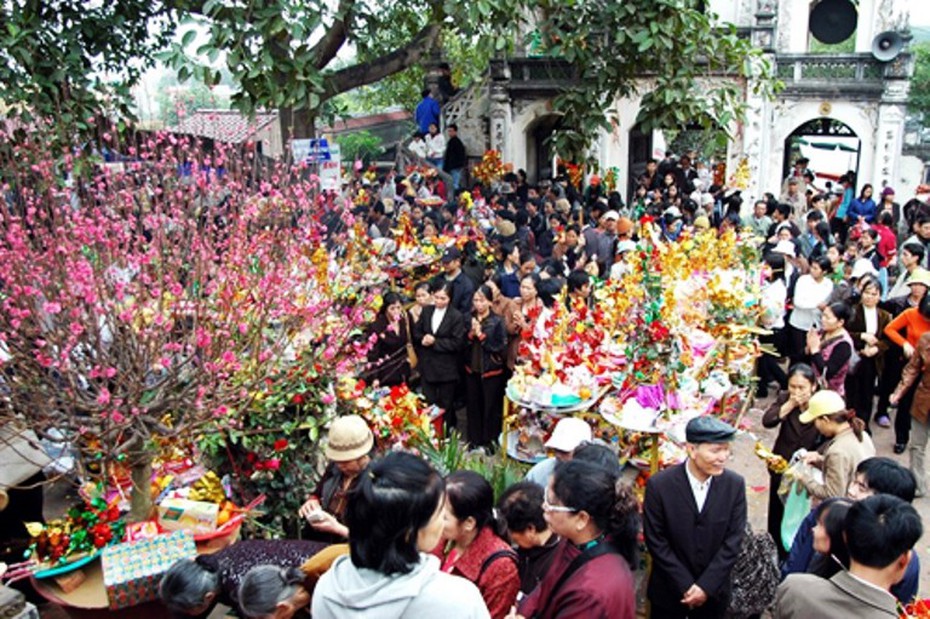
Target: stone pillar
889, 134
756, 144
756, 128
888, 144
501, 121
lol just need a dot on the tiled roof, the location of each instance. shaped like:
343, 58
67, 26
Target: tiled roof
361, 122
227, 126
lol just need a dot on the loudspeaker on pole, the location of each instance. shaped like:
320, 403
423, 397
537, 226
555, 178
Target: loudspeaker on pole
887, 45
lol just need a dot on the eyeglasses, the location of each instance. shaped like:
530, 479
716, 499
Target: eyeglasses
549, 507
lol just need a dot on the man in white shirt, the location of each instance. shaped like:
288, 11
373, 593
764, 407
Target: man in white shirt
694, 518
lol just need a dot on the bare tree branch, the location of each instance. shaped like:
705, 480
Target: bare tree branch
378, 68
327, 47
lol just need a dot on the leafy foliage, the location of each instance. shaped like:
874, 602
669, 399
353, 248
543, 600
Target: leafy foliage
175, 101
453, 454
919, 98
361, 145
70, 59
283, 53
688, 57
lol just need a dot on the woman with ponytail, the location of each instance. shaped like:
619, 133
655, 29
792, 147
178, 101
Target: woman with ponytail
847, 445
395, 514
473, 546
597, 517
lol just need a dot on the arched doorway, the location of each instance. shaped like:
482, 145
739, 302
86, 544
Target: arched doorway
538, 152
640, 152
832, 147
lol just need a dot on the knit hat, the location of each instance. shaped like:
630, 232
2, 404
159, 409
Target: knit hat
350, 438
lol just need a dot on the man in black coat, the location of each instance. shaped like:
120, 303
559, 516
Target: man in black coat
694, 518
455, 159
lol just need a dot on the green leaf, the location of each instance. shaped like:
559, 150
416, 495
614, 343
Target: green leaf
188, 38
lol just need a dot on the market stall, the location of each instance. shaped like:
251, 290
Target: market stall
675, 338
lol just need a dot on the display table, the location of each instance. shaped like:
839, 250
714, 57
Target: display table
582, 410
89, 599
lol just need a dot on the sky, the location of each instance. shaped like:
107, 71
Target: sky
920, 12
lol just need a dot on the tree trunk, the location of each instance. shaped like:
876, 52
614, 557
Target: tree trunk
141, 498
296, 124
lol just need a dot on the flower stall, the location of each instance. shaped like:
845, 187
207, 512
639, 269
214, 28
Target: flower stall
673, 339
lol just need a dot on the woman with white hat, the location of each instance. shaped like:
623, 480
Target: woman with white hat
569, 432
348, 450
847, 445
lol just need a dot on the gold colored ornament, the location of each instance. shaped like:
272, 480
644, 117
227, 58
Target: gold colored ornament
208, 488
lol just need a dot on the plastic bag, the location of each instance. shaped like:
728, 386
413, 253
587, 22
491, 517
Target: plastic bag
797, 506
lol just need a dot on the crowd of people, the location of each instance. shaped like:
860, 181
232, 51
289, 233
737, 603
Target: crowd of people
847, 315
392, 537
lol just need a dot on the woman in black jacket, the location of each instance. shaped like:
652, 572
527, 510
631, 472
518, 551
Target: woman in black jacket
484, 370
388, 356
441, 334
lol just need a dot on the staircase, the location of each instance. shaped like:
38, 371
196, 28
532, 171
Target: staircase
469, 110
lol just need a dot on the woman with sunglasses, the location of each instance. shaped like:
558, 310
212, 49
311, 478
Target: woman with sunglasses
597, 517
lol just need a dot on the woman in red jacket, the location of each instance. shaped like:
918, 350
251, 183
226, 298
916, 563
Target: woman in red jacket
471, 545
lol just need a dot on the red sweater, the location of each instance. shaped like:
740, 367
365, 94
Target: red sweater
887, 243
912, 322
500, 582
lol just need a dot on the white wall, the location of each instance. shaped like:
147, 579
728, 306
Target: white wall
910, 174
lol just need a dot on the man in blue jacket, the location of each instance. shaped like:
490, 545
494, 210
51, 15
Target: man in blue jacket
427, 112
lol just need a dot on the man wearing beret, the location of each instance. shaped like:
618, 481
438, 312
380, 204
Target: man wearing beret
694, 518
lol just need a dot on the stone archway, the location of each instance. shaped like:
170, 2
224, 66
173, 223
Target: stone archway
640, 151
831, 145
538, 152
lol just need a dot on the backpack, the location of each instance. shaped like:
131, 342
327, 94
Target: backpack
755, 575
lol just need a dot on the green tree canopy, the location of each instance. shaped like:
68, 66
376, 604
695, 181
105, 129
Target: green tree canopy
283, 53
919, 98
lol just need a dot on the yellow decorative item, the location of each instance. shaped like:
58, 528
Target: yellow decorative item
208, 488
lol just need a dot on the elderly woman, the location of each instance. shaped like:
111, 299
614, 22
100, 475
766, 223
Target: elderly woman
349, 451
195, 586
597, 518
